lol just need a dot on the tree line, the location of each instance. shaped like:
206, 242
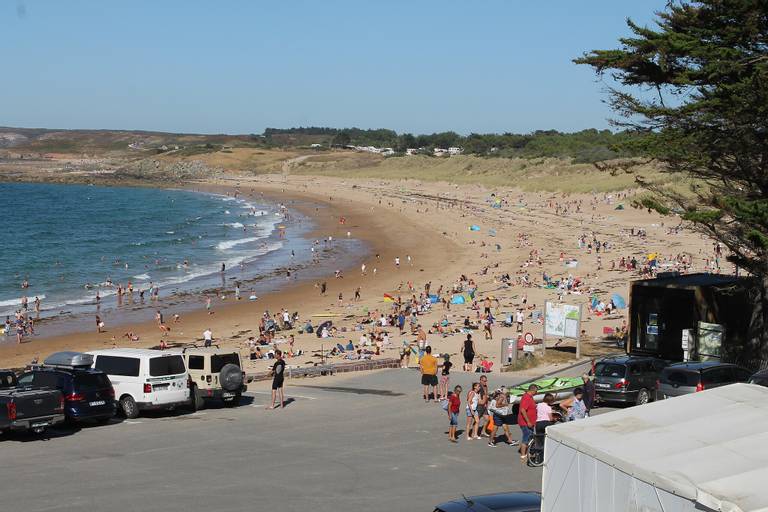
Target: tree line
584, 146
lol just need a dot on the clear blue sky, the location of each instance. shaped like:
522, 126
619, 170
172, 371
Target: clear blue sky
240, 66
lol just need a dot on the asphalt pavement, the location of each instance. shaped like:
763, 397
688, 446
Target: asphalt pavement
349, 443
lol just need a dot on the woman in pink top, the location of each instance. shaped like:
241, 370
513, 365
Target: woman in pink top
544, 416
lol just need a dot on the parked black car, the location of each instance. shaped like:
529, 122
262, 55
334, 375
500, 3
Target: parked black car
26, 408
627, 379
88, 393
685, 378
504, 502
760, 378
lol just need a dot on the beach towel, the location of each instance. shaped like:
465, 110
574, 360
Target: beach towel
388, 298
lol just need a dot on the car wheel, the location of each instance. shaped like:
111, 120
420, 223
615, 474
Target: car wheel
643, 397
129, 407
232, 402
195, 400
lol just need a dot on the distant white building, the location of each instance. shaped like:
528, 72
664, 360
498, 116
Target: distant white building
315, 146
455, 151
387, 151
411, 151
440, 152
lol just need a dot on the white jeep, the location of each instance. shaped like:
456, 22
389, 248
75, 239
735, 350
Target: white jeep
214, 374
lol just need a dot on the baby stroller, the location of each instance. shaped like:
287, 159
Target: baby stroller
536, 444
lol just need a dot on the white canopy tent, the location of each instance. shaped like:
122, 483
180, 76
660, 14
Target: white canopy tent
704, 451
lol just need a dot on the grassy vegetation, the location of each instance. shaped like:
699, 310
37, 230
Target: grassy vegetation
541, 174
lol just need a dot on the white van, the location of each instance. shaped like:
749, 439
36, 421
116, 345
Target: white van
144, 379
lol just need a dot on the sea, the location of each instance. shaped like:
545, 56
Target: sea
68, 242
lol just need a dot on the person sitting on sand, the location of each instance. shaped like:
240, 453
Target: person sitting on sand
131, 336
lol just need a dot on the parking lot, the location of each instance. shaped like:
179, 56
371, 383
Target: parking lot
360, 442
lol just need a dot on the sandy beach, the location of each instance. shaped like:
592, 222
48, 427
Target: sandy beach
523, 238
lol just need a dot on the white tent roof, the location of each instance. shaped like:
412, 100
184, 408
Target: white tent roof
709, 447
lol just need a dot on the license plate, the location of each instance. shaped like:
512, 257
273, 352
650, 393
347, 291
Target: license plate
97, 403
41, 424
601, 385
227, 394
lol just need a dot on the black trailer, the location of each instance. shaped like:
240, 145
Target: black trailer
697, 317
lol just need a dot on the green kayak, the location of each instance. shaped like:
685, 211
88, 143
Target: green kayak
561, 387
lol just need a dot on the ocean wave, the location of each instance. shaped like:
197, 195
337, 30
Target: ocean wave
17, 302
233, 224
228, 244
141, 277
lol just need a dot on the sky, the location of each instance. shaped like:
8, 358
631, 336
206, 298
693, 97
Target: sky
198, 66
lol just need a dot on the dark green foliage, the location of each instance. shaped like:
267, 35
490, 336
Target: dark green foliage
695, 87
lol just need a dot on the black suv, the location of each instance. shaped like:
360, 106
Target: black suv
627, 379
88, 394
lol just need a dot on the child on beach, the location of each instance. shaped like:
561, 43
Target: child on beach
454, 406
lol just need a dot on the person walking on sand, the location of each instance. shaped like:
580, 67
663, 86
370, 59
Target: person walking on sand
278, 374
208, 305
469, 353
428, 367
526, 418
99, 324
454, 406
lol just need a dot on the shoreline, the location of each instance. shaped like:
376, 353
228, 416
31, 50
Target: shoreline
235, 321
186, 296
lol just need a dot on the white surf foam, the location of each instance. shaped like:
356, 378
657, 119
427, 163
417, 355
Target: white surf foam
228, 244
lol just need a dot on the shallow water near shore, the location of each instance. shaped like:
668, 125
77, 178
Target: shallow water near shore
70, 241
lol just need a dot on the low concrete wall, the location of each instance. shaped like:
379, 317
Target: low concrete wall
330, 369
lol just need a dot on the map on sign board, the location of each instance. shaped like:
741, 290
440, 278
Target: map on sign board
562, 320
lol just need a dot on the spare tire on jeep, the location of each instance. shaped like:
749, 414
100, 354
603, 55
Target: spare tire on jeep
231, 377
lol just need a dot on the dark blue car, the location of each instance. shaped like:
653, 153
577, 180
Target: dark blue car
88, 394
504, 502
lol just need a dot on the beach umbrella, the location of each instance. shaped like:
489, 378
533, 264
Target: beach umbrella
618, 301
325, 325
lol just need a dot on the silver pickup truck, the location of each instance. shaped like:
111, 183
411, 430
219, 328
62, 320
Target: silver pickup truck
28, 408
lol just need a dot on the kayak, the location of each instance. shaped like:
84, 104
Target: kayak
561, 387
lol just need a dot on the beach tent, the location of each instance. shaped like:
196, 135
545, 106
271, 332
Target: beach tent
572, 263
458, 299
433, 299
618, 301
619, 207
492, 232
474, 227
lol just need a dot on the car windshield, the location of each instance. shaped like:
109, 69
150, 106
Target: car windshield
92, 381
167, 365
610, 370
219, 360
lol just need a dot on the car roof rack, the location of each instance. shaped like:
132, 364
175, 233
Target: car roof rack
68, 360
195, 345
